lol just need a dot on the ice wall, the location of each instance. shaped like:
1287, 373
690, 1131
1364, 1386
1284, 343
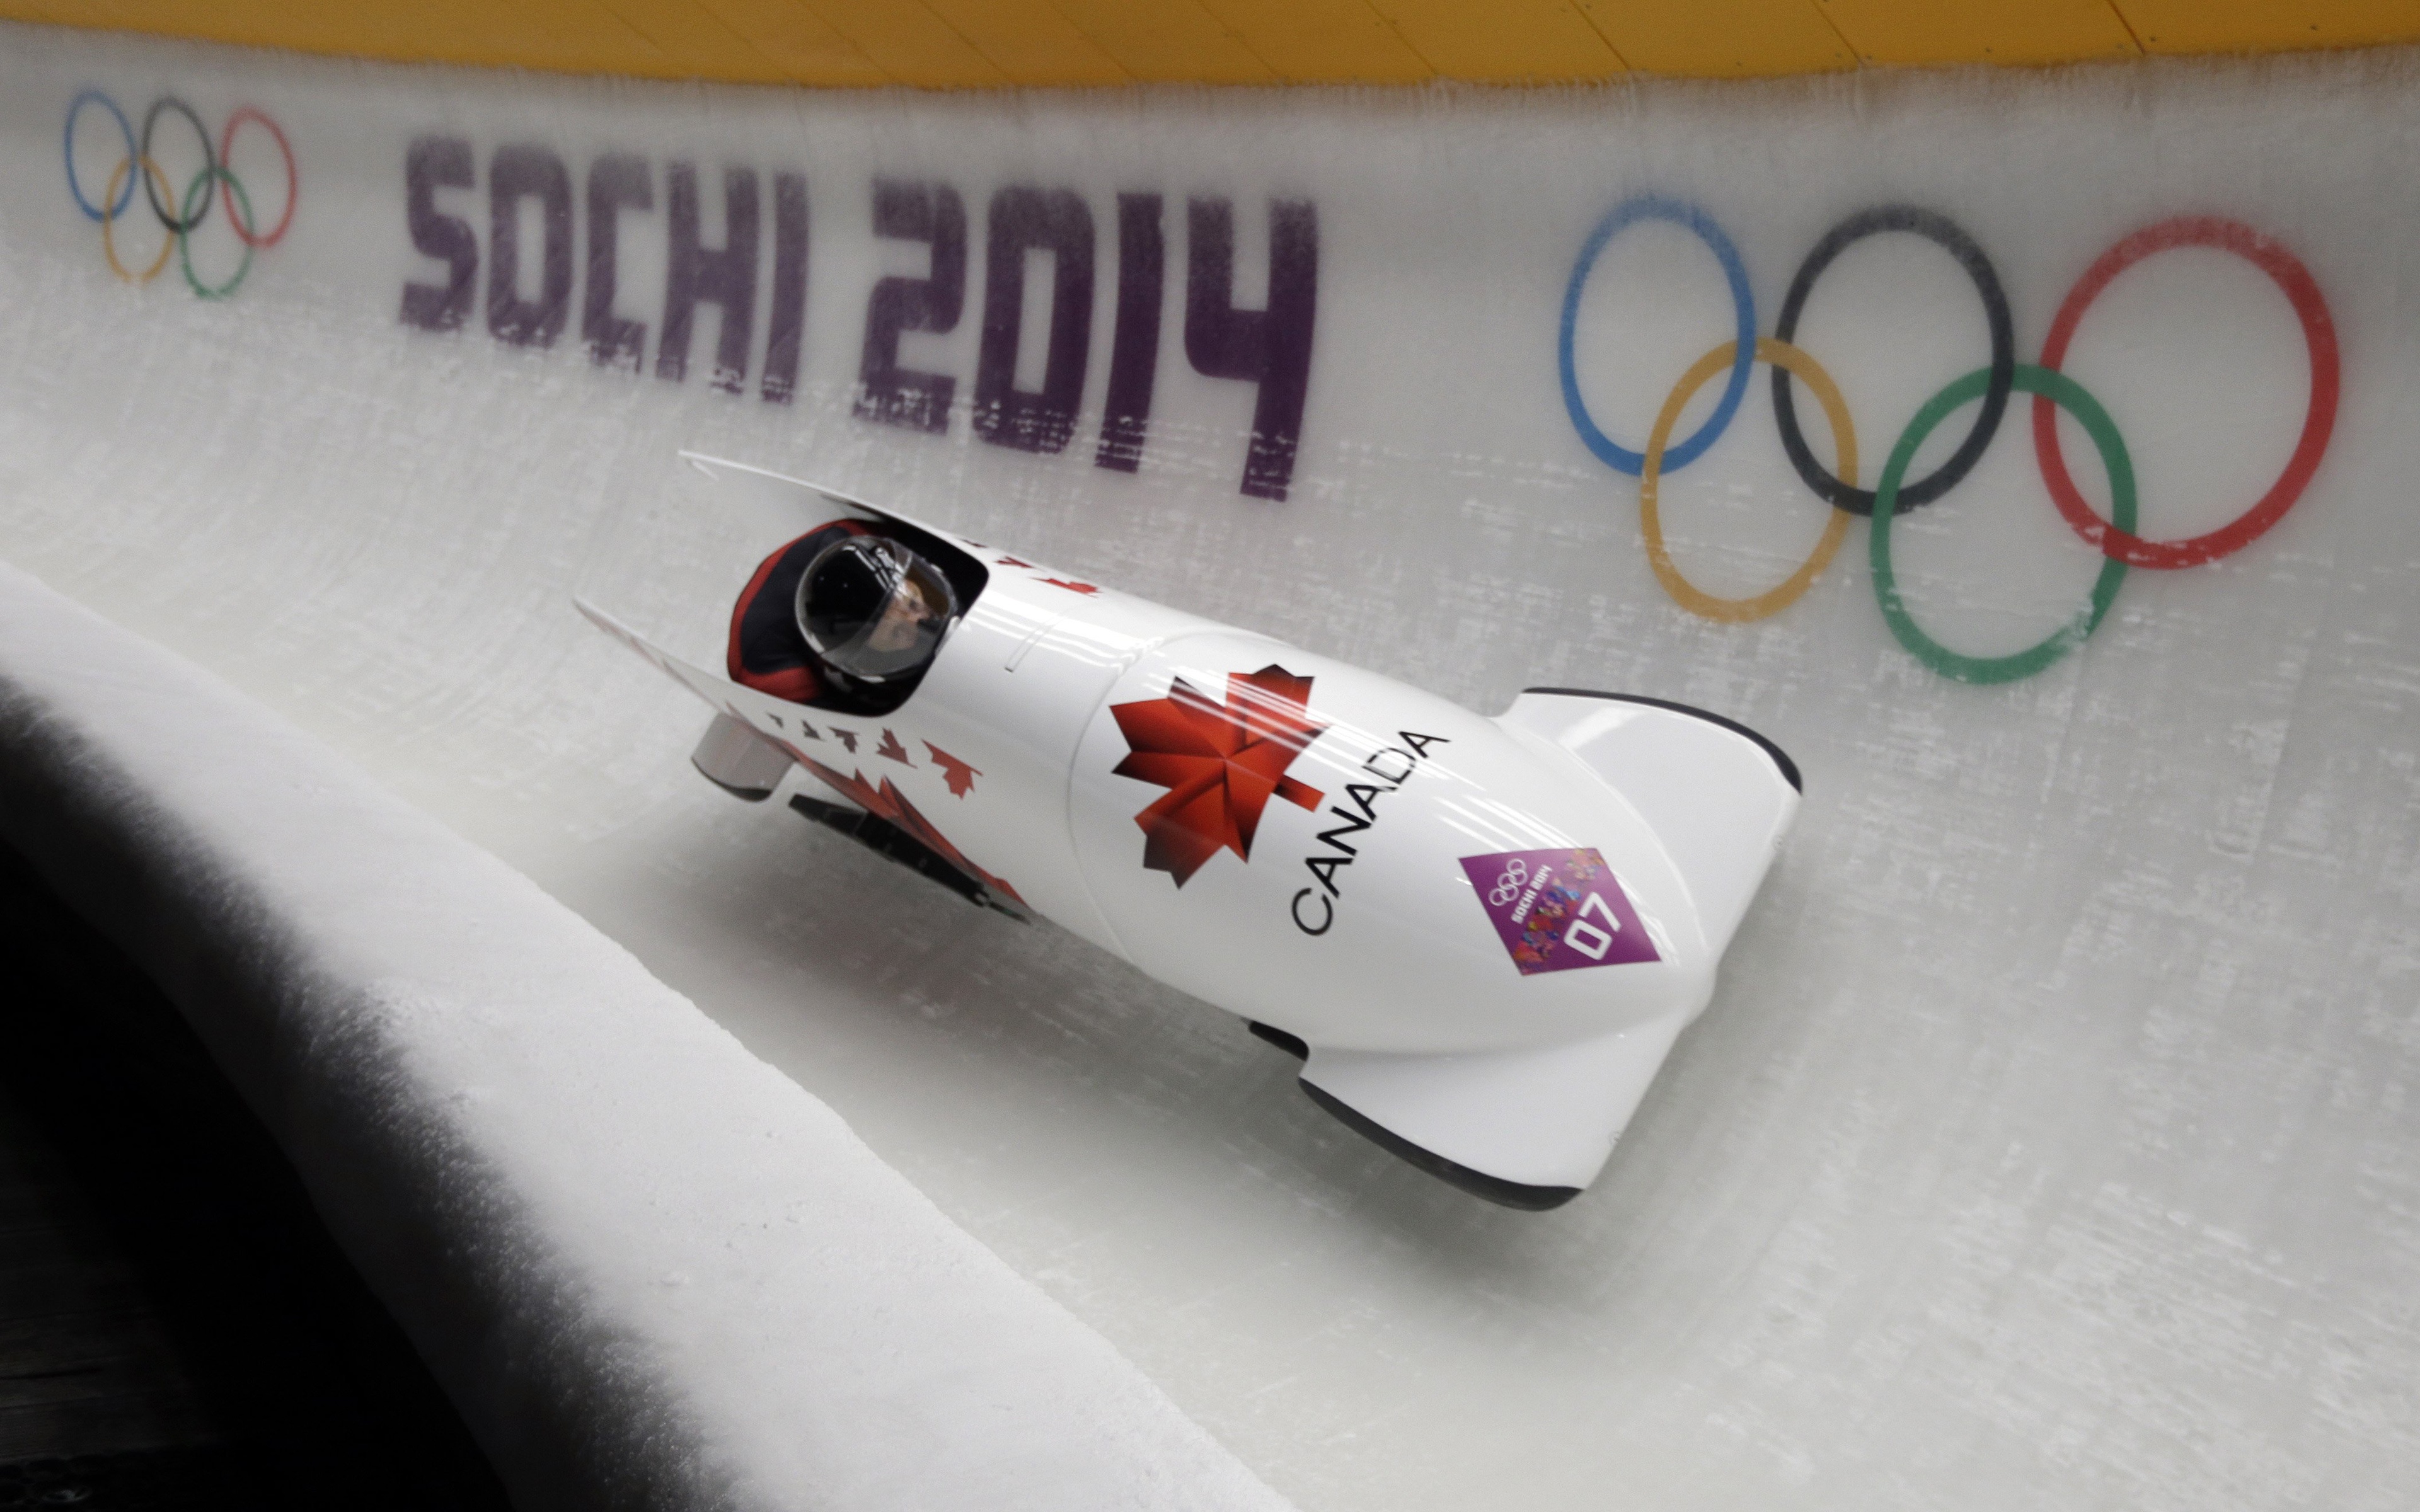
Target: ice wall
651, 1270
2048, 1142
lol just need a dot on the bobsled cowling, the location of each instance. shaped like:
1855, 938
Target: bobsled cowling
1482, 935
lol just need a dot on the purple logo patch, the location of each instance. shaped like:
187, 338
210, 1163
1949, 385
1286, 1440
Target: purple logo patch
1559, 910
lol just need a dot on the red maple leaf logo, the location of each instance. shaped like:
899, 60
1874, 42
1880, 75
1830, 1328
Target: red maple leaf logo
1073, 588
958, 774
892, 748
1220, 765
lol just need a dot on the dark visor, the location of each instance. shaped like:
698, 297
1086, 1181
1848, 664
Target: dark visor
873, 609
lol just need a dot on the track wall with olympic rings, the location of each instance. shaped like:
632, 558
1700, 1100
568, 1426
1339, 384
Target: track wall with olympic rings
2028, 456
181, 214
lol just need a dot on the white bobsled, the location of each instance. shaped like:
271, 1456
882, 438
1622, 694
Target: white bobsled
1482, 935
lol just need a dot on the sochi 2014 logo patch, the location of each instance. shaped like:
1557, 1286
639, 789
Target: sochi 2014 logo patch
1559, 910
1222, 763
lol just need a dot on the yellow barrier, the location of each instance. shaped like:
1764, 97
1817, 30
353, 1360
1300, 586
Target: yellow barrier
990, 43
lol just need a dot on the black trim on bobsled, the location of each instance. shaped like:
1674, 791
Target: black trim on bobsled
1288, 1043
892, 843
1780, 756
1477, 1183
966, 571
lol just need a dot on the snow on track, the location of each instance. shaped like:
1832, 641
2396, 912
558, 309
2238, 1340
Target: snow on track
651, 1270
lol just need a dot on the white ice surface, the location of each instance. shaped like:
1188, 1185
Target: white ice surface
653, 1270
2050, 1142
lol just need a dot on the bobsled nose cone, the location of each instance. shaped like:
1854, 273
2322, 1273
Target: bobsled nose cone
1718, 796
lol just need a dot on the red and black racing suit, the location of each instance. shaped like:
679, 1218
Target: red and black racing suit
768, 652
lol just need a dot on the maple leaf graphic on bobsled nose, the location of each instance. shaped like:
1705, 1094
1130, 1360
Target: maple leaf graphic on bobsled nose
1222, 763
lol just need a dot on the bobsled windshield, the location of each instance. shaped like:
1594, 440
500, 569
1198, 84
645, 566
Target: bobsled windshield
873, 609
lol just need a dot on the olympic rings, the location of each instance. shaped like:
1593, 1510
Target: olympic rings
109, 243
67, 148
2047, 386
1991, 384
174, 220
179, 217
202, 181
1689, 217
1947, 234
2319, 421
293, 183
1783, 358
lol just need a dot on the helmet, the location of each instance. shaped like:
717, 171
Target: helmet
873, 609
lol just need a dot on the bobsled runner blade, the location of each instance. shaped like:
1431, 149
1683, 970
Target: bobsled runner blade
1525, 1128
1719, 795
895, 844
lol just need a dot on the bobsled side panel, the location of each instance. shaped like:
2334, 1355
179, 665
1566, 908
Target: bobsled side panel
1542, 1119
1495, 1189
1020, 678
1296, 841
1016, 733
956, 788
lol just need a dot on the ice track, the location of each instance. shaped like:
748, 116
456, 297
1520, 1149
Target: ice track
2051, 1140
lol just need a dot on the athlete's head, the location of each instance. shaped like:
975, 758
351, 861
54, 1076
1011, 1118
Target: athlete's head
873, 609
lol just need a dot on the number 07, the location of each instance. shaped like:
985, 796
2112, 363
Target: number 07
1597, 941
